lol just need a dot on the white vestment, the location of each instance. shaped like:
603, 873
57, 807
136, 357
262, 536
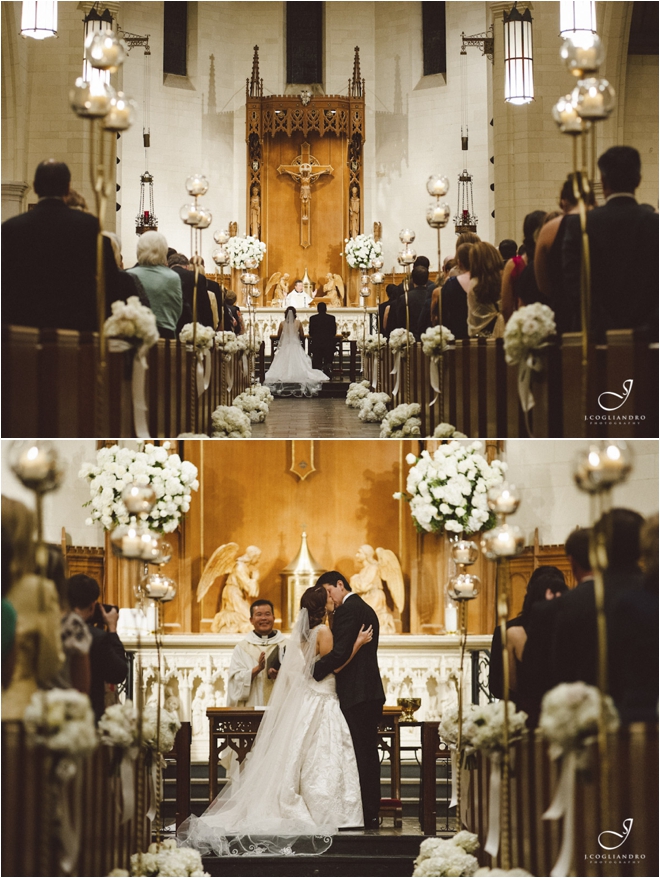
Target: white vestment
242, 690
298, 300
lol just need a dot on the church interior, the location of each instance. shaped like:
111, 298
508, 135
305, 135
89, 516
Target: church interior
262, 520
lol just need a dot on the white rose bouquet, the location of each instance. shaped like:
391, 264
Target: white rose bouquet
227, 342
205, 337
362, 250
356, 394
132, 322
370, 344
240, 249
447, 856
484, 727
402, 421
255, 408
569, 716
61, 720
400, 339
447, 431
230, 422
436, 340
263, 393
448, 490
173, 480
528, 329
118, 726
373, 407
448, 728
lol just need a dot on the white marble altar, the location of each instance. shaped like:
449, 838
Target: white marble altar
195, 668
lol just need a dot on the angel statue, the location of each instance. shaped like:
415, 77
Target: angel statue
241, 588
280, 283
375, 568
333, 290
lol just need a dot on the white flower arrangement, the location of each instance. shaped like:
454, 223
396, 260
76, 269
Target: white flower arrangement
227, 342
165, 859
569, 716
528, 329
402, 421
173, 480
230, 422
448, 728
246, 344
447, 856
448, 490
436, 340
356, 393
447, 431
400, 339
133, 322
169, 726
362, 250
255, 408
204, 340
61, 720
370, 344
373, 407
241, 249
118, 727
484, 727
263, 393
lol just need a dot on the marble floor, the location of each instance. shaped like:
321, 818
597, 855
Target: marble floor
319, 418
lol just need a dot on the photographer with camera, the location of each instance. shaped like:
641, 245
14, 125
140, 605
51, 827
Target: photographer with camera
107, 657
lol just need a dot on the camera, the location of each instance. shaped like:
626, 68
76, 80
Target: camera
97, 617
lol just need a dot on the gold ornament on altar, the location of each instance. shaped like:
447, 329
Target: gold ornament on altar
241, 588
408, 707
297, 576
378, 567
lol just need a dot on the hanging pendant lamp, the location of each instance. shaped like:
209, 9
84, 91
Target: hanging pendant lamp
576, 16
39, 19
518, 59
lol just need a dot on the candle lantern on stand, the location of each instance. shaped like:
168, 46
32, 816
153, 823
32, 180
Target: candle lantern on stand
376, 279
437, 216
250, 279
406, 258
221, 258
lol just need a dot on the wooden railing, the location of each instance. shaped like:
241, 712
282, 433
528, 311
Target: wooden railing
50, 388
480, 395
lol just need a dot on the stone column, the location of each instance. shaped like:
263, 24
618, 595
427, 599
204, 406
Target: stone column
12, 198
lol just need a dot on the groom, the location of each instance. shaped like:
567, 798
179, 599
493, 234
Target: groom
359, 687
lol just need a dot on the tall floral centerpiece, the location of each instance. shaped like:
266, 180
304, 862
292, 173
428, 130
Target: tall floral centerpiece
242, 249
360, 253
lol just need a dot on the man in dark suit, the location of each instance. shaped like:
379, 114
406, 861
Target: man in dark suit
61, 293
322, 334
408, 307
180, 264
359, 687
623, 247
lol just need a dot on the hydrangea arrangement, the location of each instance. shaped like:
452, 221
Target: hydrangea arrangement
356, 394
118, 726
204, 340
263, 393
362, 250
527, 329
436, 340
373, 407
569, 716
484, 728
241, 249
447, 856
165, 859
402, 421
448, 728
132, 321
255, 408
447, 431
246, 344
370, 344
169, 726
227, 342
61, 720
172, 479
400, 339
448, 490
230, 422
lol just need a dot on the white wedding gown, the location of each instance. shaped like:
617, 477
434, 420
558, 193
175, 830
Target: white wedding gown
300, 782
291, 372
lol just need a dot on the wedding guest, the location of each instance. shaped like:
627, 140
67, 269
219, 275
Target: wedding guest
180, 264
454, 299
484, 290
233, 312
463, 238
508, 249
161, 284
127, 285
408, 307
385, 309
214, 294
256, 659
107, 657
518, 280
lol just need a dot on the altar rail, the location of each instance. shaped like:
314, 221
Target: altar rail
50, 389
481, 391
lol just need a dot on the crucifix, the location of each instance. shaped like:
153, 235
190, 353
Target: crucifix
306, 170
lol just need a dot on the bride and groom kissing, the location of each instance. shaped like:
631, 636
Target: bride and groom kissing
314, 767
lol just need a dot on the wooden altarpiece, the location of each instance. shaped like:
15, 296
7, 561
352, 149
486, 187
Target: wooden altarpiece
304, 177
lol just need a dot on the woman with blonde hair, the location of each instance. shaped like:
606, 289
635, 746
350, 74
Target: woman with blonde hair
484, 291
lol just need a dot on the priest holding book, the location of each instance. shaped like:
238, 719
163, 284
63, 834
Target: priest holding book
256, 660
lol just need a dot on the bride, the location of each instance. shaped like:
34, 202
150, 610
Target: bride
291, 372
300, 782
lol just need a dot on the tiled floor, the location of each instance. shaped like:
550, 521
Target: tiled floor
313, 418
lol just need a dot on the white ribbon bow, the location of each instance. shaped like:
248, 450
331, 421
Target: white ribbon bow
203, 371
230, 373
138, 378
492, 845
563, 805
396, 371
434, 377
127, 778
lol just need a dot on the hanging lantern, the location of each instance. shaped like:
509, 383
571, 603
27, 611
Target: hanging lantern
39, 19
465, 219
146, 220
518, 59
576, 15
95, 23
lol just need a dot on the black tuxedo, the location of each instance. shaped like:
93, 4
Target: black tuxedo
49, 268
322, 333
213, 289
204, 313
108, 665
416, 299
360, 691
623, 246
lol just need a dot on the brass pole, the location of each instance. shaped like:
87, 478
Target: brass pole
503, 614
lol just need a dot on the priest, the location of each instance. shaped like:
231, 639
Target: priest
256, 659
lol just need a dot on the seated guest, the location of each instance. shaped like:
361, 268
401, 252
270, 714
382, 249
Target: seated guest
508, 249
65, 241
421, 262
322, 335
161, 284
107, 657
463, 238
233, 313
408, 307
621, 297
385, 309
518, 280
127, 285
180, 264
215, 296
454, 299
484, 318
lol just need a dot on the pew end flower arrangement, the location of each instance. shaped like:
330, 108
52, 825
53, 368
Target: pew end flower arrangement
357, 392
133, 323
253, 406
204, 340
229, 422
402, 421
373, 407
